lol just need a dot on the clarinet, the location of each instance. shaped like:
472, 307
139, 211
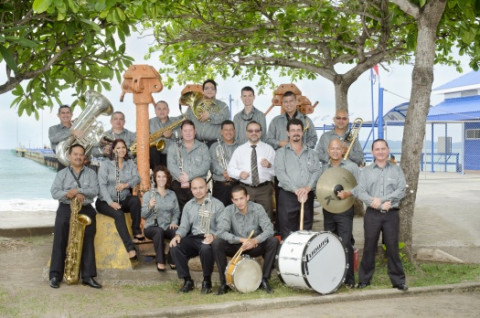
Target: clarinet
152, 193
117, 175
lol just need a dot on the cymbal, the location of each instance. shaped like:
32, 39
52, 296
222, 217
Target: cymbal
329, 183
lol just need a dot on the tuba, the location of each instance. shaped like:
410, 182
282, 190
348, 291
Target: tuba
198, 103
96, 105
352, 135
76, 233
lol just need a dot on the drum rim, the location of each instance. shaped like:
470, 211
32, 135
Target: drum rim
244, 257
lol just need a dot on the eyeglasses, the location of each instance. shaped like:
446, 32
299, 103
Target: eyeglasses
253, 130
341, 118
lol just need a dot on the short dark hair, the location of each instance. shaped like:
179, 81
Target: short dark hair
187, 122
379, 140
211, 81
294, 121
238, 188
112, 154
253, 122
161, 168
64, 106
118, 112
289, 93
75, 146
227, 122
160, 101
248, 89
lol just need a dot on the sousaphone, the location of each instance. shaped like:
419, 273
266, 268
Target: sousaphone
331, 182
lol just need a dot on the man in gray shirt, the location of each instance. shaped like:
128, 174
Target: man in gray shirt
198, 229
297, 169
239, 219
80, 182
277, 135
381, 187
118, 131
247, 114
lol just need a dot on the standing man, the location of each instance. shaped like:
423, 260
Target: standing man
62, 131
220, 154
118, 131
158, 122
187, 160
277, 135
252, 165
381, 187
248, 114
80, 182
297, 170
340, 131
198, 229
209, 121
238, 221
341, 223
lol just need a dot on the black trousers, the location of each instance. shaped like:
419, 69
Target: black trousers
387, 223
223, 191
88, 267
288, 209
183, 194
266, 249
157, 235
189, 247
130, 204
342, 225
157, 158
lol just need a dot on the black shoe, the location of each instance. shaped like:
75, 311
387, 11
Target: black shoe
223, 289
362, 285
350, 285
173, 267
160, 269
265, 286
401, 287
91, 282
187, 286
54, 282
206, 287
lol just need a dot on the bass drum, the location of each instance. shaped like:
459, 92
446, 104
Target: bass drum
313, 260
243, 274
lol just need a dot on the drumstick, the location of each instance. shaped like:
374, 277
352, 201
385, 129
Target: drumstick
237, 254
302, 212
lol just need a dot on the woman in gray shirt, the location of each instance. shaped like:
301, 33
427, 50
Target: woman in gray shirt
161, 213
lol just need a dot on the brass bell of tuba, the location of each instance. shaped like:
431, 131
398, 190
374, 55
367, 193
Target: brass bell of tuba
96, 105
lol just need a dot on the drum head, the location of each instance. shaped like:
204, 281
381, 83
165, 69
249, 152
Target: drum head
247, 275
325, 263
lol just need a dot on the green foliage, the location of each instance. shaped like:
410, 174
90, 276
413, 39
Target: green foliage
49, 46
401, 245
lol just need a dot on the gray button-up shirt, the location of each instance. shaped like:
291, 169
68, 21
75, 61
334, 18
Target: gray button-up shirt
387, 183
166, 210
241, 121
128, 136
346, 164
277, 131
210, 129
296, 171
191, 218
58, 133
196, 162
234, 225
356, 154
156, 124
215, 166
107, 182
64, 181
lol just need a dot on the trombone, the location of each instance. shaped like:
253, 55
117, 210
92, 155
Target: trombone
353, 135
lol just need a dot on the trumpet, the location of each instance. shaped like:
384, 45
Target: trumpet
221, 157
352, 135
206, 214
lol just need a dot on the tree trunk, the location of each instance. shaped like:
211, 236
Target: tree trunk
341, 93
414, 131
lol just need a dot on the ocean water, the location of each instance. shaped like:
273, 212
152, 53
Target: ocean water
25, 184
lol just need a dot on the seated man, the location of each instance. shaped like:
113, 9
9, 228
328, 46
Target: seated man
195, 235
238, 221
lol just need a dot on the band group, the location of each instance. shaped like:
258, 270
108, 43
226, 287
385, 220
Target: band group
252, 169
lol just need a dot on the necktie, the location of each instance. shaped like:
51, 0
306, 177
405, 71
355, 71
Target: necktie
253, 162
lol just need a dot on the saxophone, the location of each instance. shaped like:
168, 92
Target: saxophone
78, 222
160, 145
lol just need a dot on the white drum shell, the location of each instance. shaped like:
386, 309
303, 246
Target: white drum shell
315, 260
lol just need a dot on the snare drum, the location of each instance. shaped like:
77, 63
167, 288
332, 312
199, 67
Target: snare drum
244, 274
313, 260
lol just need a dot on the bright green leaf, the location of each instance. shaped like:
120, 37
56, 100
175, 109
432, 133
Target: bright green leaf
40, 6
8, 57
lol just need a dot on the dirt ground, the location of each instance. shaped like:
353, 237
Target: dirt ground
447, 216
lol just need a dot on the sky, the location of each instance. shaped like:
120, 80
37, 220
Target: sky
395, 79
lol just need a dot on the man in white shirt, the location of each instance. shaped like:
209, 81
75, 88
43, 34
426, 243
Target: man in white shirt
252, 165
